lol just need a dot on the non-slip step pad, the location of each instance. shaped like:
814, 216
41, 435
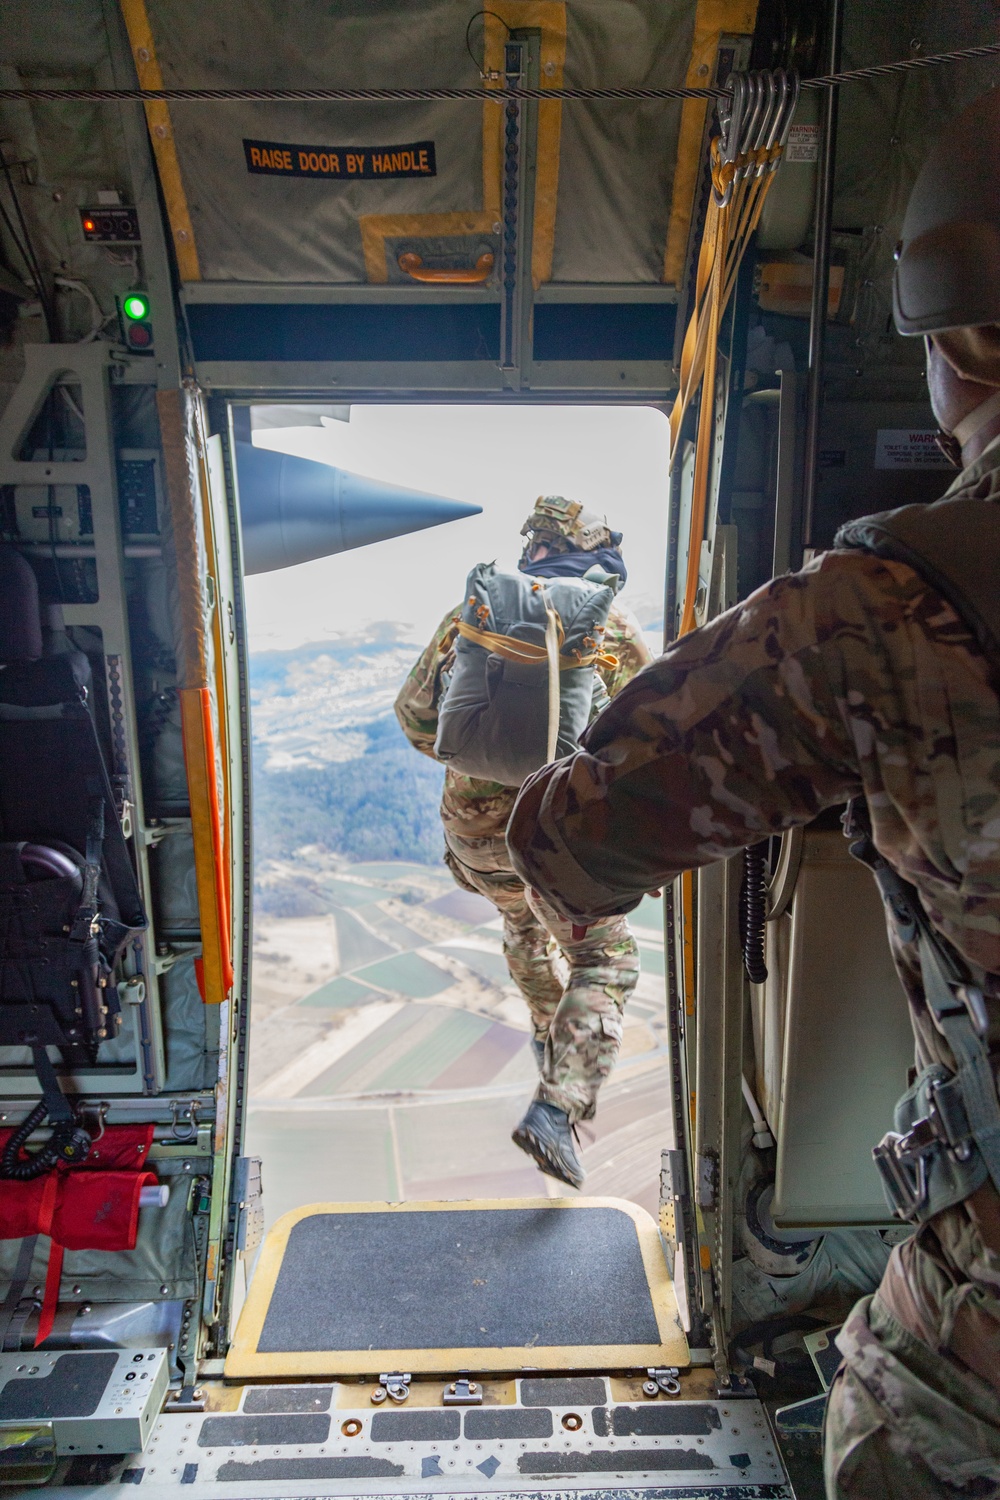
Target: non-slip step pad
539, 1283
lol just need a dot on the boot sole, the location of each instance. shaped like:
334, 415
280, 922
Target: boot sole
533, 1147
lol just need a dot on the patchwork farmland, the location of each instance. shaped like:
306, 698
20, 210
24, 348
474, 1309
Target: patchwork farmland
390, 1052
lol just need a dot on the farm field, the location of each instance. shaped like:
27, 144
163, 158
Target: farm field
390, 1053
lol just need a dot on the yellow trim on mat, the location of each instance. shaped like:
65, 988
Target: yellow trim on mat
713, 19
161, 134
548, 16
245, 1363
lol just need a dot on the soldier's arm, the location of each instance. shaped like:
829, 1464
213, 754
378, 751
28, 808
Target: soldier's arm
741, 729
624, 640
417, 702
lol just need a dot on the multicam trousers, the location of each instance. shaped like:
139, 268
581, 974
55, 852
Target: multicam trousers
914, 1410
579, 1021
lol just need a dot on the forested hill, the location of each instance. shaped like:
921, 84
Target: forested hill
331, 766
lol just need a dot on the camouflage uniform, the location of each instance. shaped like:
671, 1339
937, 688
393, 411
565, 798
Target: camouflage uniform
579, 1022
851, 676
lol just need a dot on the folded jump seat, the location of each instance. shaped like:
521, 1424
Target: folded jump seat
69, 900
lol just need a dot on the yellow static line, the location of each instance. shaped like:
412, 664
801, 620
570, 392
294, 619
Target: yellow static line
713, 19
161, 133
245, 1362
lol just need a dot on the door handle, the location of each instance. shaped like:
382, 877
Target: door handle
414, 267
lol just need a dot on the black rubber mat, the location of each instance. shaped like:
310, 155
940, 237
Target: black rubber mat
582, 1390
276, 1399
249, 1432
508, 1422
465, 1278
426, 1426
271, 1470
658, 1419
652, 1460
73, 1388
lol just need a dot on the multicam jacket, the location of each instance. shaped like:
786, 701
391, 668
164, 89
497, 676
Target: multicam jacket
480, 809
852, 675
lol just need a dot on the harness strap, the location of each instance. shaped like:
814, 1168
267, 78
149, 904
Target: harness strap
10, 1338
512, 649
56, 1103
951, 1006
965, 1105
553, 640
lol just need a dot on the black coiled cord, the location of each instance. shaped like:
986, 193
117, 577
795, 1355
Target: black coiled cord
11, 1164
753, 911
69, 1142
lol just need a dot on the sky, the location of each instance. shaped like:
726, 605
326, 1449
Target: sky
612, 459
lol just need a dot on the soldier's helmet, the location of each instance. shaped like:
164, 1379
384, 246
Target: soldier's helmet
948, 258
566, 526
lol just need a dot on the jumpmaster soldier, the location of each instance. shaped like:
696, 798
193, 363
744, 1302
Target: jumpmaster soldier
577, 1025
871, 675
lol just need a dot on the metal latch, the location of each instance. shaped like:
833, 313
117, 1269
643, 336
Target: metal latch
395, 1387
662, 1379
188, 1398
463, 1392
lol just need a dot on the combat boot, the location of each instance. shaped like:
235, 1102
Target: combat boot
546, 1135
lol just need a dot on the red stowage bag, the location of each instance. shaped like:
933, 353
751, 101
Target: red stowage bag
80, 1210
93, 1206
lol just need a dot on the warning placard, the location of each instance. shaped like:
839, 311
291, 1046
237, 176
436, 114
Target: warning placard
341, 163
802, 143
908, 448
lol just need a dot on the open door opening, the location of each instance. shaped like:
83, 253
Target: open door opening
390, 1047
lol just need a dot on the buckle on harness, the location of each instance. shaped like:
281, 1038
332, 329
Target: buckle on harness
902, 1160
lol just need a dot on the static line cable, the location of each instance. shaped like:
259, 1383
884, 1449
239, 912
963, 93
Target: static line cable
416, 96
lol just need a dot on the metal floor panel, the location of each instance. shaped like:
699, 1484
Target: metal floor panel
535, 1283
667, 1449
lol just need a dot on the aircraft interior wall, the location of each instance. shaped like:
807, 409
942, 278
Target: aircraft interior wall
157, 279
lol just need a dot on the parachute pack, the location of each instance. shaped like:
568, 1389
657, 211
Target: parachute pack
524, 684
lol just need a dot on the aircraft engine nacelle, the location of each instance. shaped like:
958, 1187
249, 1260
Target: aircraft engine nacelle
294, 510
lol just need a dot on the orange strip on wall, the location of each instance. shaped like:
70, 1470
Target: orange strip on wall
206, 830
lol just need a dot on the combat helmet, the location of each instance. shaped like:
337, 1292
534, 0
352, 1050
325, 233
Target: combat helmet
948, 258
580, 530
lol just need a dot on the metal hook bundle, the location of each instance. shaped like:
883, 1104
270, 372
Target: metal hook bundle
755, 119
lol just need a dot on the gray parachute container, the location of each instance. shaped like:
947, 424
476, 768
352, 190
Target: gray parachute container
294, 510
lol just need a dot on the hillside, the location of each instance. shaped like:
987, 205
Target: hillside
331, 766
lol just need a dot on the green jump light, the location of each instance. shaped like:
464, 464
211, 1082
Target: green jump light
136, 306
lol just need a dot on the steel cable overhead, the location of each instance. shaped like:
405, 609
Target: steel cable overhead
406, 96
